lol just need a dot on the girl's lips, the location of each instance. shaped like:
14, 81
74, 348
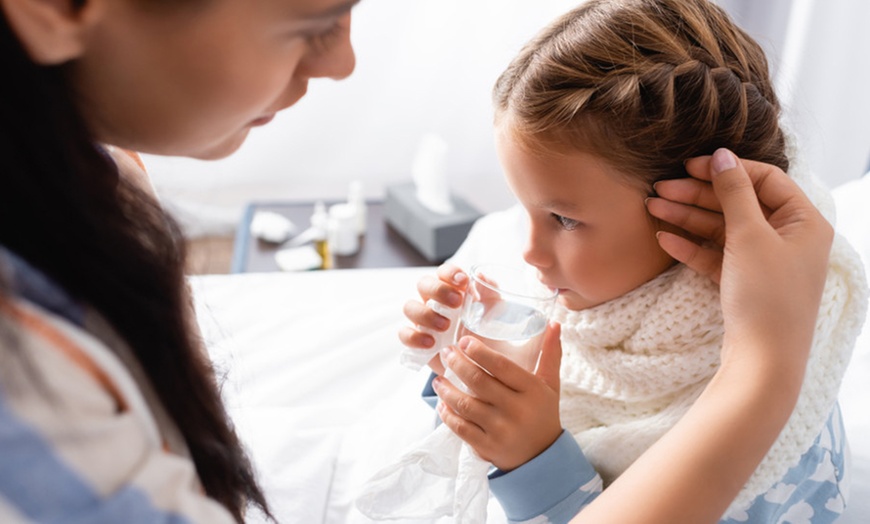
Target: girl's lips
553, 288
549, 286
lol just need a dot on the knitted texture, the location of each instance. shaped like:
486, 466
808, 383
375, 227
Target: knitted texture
633, 366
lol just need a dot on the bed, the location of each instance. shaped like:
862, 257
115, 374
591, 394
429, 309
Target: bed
320, 407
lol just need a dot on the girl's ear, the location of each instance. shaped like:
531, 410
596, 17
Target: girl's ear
52, 31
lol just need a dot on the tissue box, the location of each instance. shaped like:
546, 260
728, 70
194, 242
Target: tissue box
434, 235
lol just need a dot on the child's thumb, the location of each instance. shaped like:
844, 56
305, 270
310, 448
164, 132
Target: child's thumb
551, 356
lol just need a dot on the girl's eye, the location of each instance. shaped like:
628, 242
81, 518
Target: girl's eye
568, 224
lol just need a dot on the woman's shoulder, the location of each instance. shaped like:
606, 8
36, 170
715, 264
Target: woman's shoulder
49, 356
22, 281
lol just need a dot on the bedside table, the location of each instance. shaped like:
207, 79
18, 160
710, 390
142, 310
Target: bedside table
380, 247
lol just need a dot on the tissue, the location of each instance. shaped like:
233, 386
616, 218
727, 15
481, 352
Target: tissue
415, 359
429, 172
271, 227
441, 477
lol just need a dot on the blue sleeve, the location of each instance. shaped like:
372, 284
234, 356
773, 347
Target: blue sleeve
429, 396
556, 484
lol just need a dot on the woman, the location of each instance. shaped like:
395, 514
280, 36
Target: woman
108, 409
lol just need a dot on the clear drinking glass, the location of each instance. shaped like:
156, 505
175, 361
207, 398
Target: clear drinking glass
507, 308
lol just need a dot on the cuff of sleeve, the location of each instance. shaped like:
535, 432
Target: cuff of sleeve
544, 481
428, 394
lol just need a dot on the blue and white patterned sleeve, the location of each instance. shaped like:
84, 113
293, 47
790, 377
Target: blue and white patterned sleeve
812, 492
551, 488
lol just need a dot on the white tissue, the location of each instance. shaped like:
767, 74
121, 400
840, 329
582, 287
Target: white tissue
298, 259
417, 358
429, 172
271, 227
441, 477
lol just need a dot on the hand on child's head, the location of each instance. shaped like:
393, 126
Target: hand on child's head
761, 219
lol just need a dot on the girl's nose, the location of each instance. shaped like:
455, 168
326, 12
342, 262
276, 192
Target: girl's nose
537, 252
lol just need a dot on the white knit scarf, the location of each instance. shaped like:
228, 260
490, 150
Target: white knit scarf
633, 366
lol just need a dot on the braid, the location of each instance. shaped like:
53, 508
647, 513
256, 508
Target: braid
644, 84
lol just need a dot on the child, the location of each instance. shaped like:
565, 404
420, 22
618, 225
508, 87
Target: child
593, 117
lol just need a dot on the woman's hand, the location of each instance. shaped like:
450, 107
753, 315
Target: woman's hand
447, 287
769, 253
767, 246
509, 416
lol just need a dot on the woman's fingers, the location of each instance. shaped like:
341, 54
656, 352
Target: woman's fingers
775, 190
696, 205
690, 191
735, 190
708, 225
706, 261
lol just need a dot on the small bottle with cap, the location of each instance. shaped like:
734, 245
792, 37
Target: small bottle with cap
343, 235
320, 227
357, 202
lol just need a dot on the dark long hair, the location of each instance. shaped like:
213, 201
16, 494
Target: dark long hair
65, 209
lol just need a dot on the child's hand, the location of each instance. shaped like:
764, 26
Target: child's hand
446, 287
509, 416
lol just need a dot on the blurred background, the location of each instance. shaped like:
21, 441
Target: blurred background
427, 66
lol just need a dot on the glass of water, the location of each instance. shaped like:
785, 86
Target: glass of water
507, 309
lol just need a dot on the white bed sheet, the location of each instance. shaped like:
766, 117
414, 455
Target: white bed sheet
313, 383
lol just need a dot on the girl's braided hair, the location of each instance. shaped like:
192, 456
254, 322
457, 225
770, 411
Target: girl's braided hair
644, 84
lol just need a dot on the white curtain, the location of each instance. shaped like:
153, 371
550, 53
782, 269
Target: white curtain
428, 66
823, 81
820, 55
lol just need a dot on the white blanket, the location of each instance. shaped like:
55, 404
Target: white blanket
315, 387
313, 381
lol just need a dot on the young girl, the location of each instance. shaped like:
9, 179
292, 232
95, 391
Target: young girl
595, 117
